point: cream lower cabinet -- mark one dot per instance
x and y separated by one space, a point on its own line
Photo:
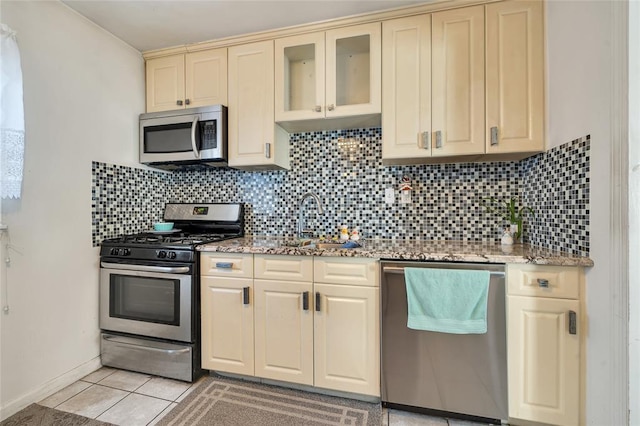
324 333
544 335
347 325
226 288
284 318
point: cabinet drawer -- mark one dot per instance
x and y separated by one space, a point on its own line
286 268
226 265
561 282
346 270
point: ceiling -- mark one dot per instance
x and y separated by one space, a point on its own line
156 24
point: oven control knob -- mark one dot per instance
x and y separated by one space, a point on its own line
162 254
126 252
171 255
114 252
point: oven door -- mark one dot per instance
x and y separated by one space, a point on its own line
147 300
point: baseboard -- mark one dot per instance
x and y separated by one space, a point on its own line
49 388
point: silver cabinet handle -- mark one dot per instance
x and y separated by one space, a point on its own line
318 108
331 107
187 101
224 265
193 137
179 102
146 268
424 140
318 301
267 150
542 283
245 295
438 139
305 301
573 322
494 136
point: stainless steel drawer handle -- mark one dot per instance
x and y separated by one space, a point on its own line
267 150
573 322
245 295
146 348
305 301
317 301
146 268
543 283
224 265
399 270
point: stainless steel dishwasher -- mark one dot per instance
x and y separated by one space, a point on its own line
461 375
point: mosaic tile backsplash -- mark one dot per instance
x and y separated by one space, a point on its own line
445 205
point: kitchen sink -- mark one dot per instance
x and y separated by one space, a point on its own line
310 244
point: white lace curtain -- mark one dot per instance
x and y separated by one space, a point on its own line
11 116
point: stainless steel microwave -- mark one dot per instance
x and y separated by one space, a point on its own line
186 137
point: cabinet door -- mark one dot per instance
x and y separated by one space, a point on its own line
251 119
543 361
165 83
299 77
458 82
515 77
347 338
353 79
284 331
206 78
227 325
406 87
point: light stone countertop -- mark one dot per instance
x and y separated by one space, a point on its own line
404 249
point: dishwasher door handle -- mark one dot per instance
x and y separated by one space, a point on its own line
400 270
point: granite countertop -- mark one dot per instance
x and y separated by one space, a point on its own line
400 249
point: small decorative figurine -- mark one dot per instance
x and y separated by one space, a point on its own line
344 233
355 235
506 239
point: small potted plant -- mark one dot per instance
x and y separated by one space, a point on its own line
509 210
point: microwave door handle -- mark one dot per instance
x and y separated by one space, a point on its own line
193 138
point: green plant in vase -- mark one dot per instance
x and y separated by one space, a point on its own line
508 210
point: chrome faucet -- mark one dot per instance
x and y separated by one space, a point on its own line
301 231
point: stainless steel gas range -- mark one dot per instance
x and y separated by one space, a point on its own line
149 291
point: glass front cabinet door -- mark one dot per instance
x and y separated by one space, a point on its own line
329 74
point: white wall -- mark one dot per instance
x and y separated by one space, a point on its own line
83 91
579 46
634 213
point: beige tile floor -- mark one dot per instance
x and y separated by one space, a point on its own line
133 399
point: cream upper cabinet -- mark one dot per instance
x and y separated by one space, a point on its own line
332 74
187 80
255 142
406 87
458 93
544 332
299 77
515 77
433 86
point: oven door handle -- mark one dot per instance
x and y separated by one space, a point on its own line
147 348
146 268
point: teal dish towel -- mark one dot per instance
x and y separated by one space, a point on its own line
447 300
